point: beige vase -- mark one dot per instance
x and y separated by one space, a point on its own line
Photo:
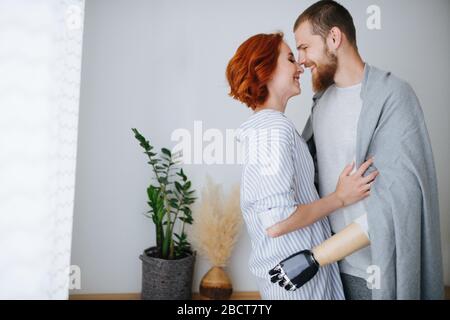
216 284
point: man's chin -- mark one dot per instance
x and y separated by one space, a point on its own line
319 85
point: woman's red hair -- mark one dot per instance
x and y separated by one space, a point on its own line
251 67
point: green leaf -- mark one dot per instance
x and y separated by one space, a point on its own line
187 211
162 180
173 203
167 152
182 175
142 141
187 220
178 186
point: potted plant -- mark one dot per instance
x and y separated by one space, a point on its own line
167 268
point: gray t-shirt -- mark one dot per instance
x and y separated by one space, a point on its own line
335 121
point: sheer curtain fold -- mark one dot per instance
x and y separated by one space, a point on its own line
40 62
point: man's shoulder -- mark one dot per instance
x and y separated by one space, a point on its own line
380 81
392 92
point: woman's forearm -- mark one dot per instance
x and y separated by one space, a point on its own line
352 238
306 214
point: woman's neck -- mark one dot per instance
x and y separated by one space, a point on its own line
272 103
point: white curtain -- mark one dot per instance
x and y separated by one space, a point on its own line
40 60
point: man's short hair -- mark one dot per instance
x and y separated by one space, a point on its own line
326 14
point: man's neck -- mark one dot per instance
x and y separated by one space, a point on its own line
350 70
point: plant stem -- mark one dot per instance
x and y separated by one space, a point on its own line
174 220
168 243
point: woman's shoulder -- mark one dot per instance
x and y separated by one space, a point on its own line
269 119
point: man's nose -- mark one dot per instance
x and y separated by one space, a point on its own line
301 59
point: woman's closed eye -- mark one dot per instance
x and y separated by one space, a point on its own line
291 57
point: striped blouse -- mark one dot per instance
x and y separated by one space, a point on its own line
277 175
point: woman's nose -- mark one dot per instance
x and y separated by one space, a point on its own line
300 68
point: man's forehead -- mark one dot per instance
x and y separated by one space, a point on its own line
303 33
304 27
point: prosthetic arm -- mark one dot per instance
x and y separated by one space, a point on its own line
294 271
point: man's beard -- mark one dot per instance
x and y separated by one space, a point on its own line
323 77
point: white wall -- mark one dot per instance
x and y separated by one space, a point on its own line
159 65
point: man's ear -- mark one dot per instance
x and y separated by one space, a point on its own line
334 39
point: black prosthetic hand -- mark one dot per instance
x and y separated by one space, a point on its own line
294 271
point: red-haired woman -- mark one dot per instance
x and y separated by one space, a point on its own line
277 187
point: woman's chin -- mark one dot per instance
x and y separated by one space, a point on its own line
295 92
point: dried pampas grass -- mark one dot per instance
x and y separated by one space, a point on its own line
217 222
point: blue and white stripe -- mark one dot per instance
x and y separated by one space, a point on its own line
278 174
